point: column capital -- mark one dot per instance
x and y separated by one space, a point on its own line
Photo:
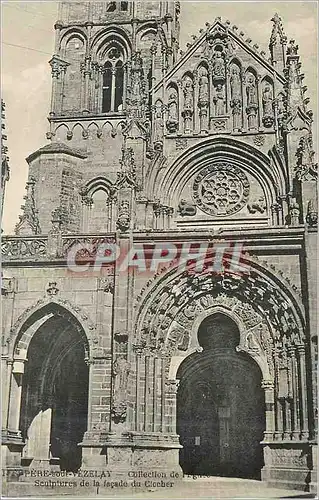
267 385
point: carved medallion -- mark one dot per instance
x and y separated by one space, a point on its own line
221 189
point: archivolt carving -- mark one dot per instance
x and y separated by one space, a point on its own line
259 305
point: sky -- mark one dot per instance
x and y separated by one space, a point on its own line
27 46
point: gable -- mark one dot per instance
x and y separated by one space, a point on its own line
232 45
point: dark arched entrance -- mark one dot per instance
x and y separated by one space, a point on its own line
220 405
55 394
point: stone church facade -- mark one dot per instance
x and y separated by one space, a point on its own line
208 373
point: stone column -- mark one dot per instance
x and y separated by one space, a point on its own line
180 107
196 97
146 393
90 394
6 378
295 431
87 75
155 372
138 349
15 395
55 84
163 394
303 390
172 387
268 387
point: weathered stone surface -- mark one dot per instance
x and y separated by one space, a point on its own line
221 156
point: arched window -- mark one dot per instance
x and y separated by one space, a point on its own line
124 6
98 205
113 79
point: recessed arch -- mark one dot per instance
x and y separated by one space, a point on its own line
220 411
192 160
22 331
107 37
99 182
51 391
73 33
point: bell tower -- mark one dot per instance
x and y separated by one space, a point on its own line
108 57
95 42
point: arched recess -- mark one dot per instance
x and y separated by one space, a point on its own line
188 105
267 93
110 50
167 185
271 323
173 111
73 33
220 404
48 402
73 49
252 99
98 205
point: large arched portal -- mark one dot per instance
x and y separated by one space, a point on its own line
220 405
54 404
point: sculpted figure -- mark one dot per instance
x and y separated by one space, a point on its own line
185 208
188 95
267 101
203 86
251 91
236 97
218 65
219 100
172 106
235 83
121 369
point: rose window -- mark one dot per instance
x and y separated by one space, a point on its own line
221 189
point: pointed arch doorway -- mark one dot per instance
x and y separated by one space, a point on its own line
220 405
54 404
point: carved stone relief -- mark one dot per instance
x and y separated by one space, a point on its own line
221 189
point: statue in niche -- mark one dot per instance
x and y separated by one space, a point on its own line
203 86
235 83
188 95
172 120
209 48
172 105
219 100
188 109
158 123
218 66
267 102
252 103
236 99
251 91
